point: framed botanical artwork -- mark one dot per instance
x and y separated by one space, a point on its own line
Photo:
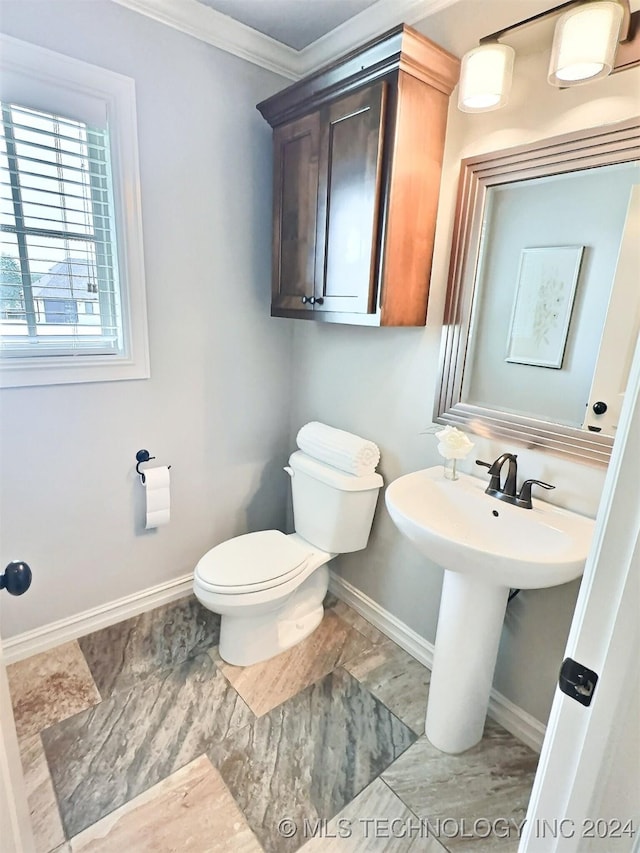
545 292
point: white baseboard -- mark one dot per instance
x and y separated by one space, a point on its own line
394 628
42 639
517 721
521 724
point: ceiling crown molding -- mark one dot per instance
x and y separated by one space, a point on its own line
200 21
204 23
366 25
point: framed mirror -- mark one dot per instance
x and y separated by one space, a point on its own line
543 301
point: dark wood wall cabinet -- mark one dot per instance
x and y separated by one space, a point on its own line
357 159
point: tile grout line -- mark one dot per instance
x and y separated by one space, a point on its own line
409 809
513 718
89 677
174 665
155 672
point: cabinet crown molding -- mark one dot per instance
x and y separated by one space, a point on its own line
401 48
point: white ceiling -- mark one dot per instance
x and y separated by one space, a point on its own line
296 23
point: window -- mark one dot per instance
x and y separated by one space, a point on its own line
58 244
72 305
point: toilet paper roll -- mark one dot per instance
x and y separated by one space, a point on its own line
157 483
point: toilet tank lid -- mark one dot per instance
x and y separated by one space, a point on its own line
300 461
252 559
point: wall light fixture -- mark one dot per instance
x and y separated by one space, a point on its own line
585 47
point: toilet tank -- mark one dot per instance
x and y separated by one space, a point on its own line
331 509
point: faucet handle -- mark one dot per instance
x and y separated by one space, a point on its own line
524 498
494 483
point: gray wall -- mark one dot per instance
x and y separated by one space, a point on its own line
216 406
381 383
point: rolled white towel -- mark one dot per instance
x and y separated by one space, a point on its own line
343 450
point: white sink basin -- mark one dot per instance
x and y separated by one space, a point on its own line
485 546
459 527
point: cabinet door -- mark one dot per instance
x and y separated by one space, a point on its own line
295 194
348 201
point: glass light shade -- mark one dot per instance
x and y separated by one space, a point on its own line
585 43
485 78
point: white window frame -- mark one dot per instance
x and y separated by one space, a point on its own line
42 71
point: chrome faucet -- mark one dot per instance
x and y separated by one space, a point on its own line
508 491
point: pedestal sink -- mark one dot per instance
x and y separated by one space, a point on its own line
485 546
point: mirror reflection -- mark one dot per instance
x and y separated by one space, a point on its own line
543 300
547 265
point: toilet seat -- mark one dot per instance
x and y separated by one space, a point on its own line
252 562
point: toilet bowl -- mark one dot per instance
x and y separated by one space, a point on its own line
268 586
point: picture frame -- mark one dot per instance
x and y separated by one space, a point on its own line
543 303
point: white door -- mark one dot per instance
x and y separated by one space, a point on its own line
620 330
589 770
15 825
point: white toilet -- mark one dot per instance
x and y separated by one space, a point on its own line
268 586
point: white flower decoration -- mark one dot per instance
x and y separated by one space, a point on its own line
453 444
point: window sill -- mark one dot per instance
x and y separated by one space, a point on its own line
34 371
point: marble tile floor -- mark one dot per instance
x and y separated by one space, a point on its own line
139 737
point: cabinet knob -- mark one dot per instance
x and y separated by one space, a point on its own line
599 408
304 300
319 300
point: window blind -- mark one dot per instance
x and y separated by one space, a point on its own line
59 292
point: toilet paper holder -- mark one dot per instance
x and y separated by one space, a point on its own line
143 456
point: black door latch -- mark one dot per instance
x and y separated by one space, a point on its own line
577 681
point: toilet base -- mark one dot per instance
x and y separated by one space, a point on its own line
252 638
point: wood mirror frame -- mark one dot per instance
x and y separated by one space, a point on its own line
601 146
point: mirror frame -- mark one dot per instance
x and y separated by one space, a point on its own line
600 146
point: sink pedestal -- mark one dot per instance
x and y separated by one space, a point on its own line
469 627
485 546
